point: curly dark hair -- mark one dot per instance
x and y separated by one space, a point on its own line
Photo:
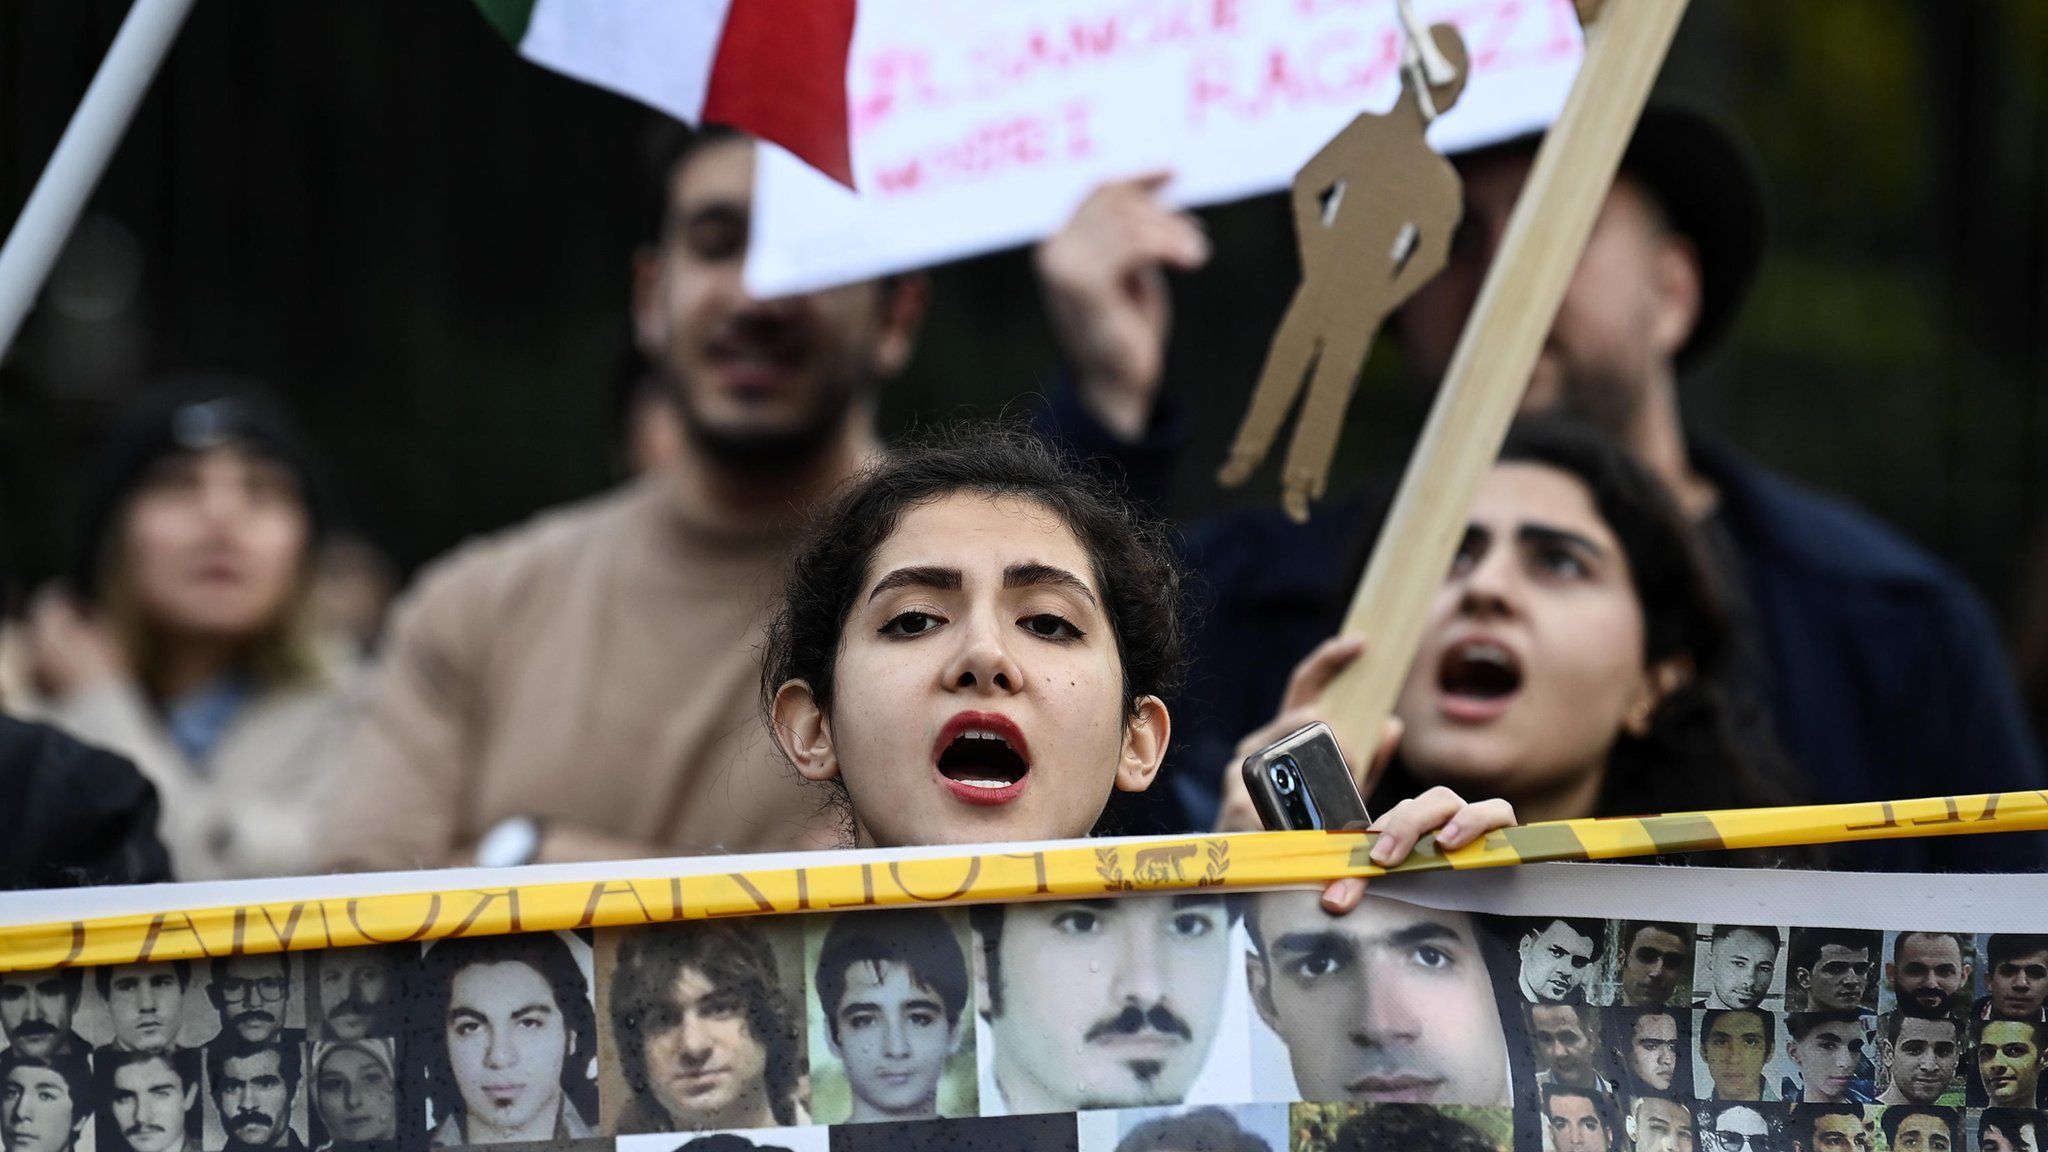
738 961
1134 564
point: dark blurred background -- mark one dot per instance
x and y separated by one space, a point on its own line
423 241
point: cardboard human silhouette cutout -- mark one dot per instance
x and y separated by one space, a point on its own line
1374 211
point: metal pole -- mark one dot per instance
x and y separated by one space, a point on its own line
81 156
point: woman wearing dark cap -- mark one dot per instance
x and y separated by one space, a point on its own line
190 648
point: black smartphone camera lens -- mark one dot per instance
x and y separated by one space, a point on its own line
1286 778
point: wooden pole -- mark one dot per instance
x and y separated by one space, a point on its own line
1547 232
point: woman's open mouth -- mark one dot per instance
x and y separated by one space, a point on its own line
982 758
1478 679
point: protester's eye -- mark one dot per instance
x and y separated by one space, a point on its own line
330 1084
376 1079
465 1028
719 1006
911 623
1050 627
716 235
1192 924
1471 547
924 1019
1077 922
1560 560
861 1020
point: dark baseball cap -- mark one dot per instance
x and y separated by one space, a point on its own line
1708 182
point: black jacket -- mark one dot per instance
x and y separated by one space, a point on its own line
73 815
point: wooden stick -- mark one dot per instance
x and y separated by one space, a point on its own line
1545 236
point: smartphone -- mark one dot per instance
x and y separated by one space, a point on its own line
1301 782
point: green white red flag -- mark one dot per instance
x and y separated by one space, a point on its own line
772 68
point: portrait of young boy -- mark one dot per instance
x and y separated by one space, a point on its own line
892 1028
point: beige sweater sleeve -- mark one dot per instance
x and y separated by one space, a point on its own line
408 766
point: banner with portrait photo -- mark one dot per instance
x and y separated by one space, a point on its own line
1106 996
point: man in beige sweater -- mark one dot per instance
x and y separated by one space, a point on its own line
584 686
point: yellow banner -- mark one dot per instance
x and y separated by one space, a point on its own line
999 873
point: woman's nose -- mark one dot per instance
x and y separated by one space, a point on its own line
983 662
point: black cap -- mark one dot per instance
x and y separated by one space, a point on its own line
189 415
1707 180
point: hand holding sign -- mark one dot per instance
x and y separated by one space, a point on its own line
1373 213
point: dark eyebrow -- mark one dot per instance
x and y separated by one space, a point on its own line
940 579
1311 942
1028 575
714 211
1545 534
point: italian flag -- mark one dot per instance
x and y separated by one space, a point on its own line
772 68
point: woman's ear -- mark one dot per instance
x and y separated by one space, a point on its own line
1659 682
804 731
1145 736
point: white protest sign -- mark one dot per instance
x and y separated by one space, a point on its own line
981 124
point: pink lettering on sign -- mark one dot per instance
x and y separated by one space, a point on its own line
1252 83
889 80
996 148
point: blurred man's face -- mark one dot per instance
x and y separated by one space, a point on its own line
254 1102
354 990
891 1032
1390 1003
1836 1133
1630 305
1741 968
1563 1044
2009 1062
147 1002
250 993
1923 1060
1828 1056
149 1105
761 382
37 1113
1662 1125
1554 960
1107 1003
1653 1051
2019 985
35 1012
1838 979
1928 970
1652 966
1734 1048
1575 1125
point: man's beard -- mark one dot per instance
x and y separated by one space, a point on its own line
764 451
1602 397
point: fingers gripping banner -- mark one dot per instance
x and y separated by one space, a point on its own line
1117 996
